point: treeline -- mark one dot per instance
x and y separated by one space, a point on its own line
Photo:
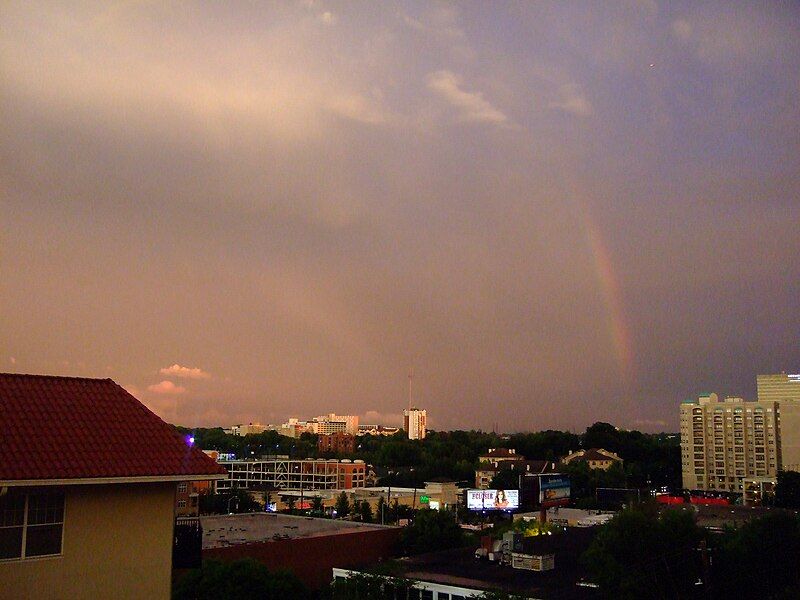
254 444
643 554
650 460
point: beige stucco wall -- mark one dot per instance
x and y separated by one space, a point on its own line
117 544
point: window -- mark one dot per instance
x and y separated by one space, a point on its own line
182 488
31 524
181 503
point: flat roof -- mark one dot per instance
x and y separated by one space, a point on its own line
247 528
459 567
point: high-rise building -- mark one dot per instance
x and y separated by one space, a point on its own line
415 423
778 387
350 421
724 442
730 444
785 390
328 427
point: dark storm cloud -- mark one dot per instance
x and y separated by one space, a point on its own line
304 200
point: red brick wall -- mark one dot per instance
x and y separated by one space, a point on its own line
312 558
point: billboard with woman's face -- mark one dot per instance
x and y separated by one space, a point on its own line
492 499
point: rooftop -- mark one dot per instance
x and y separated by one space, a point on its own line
501 453
232 530
459 567
71 428
594 454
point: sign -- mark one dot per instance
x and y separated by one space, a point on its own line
553 490
424 500
434 505
492 499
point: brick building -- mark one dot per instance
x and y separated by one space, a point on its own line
337 443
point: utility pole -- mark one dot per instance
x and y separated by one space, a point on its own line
410 388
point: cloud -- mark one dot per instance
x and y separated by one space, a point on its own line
167 388
472 105
572 100
681 29
374 417
177 370
13 360
357 108
328 18
440 24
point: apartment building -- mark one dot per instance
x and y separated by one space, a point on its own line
415 423
724 442
293 474
87 490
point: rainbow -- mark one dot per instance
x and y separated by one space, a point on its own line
612 296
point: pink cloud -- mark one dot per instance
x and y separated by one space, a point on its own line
177 370
166 387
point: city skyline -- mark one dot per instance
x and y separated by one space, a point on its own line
555 214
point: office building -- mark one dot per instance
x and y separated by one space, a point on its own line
778 388
415 423
350 422
725 442
250 428
785 390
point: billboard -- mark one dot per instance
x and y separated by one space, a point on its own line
553 489
492 499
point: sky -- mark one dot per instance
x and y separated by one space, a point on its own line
554 213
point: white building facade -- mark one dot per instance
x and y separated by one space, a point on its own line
415 422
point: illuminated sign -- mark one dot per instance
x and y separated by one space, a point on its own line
424 499
492 499
553 489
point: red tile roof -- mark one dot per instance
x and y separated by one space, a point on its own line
75 428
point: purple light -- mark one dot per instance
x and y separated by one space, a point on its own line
190 440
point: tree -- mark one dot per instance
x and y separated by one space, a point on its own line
370 586
291 501
236 500
640 554
244 579
342 505
316 505
787 492
602 435
507 479
769 546
366 512
380 510
431 530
